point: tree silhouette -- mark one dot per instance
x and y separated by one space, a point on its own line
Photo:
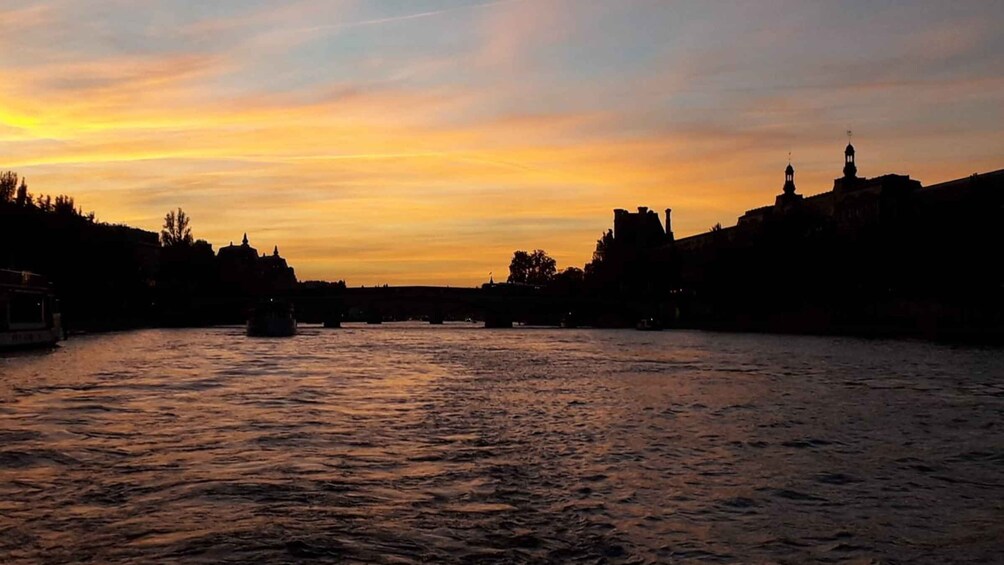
176 231
571 274
8 184
23 198
531 268
603 245
519 267
569 282
66 206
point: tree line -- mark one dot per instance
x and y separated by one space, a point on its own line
14 192
537 268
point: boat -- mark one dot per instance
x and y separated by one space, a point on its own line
29 313
272 318
649 325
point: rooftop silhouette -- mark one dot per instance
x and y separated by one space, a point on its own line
877 254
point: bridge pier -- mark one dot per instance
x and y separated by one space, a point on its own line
496 319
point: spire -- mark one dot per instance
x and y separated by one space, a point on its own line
275 251
788 200
789 179
850 168
244 242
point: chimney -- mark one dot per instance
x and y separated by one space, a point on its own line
669 225
642 209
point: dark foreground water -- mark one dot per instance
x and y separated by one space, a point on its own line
403 444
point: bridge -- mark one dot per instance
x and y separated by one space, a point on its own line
497 305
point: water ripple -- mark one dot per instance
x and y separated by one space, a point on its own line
417 444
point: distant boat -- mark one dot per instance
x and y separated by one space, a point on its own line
649 325
272 318
29 315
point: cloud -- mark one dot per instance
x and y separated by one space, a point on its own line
25 20
383 142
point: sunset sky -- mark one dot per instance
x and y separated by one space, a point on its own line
422 141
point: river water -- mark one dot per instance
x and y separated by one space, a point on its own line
409 443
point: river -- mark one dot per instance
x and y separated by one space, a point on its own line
409 443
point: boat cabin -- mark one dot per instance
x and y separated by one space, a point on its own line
28 312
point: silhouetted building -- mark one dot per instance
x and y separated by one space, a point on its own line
242 255
788 198
853 203
625 256
871 252
242 268
641 229
275 272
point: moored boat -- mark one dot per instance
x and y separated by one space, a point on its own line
272 318
29 314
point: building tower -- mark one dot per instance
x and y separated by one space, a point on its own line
788 200
789 179
850 169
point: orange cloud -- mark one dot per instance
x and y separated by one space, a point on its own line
433 166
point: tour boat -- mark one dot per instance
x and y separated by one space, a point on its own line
29 315
272 318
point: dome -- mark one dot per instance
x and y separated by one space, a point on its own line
790 170
849 150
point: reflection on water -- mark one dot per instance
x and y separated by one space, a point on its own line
442 444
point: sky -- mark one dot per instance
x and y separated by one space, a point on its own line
423 141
